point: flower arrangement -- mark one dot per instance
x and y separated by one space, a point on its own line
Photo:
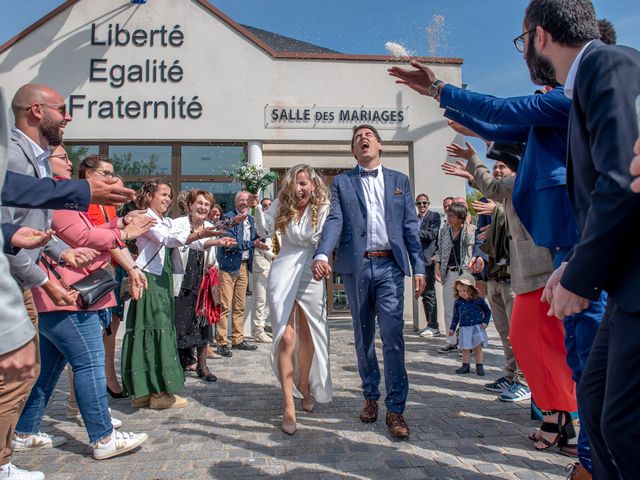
253 178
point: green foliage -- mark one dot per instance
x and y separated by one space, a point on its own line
472 197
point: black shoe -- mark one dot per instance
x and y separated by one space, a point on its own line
480 369
206 375
465 368
243 345
224 351
116 395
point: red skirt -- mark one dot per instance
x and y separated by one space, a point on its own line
538 345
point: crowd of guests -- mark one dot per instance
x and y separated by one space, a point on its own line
549 258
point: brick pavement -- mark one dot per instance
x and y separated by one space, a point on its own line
231 428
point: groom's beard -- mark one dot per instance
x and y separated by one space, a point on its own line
541 70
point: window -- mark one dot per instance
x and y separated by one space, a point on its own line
224 192
210 159
77 152
137 160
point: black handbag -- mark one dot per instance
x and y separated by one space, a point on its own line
91 288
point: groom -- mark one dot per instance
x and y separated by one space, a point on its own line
373 216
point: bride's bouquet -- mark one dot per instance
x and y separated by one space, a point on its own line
253 178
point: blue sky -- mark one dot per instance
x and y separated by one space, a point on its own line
479 31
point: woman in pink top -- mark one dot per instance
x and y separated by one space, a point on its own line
71 334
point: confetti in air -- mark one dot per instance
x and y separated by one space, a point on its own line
396 50
436 35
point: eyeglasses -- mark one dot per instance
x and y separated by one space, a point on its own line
519 40
61 156
60 107
423 203
106 173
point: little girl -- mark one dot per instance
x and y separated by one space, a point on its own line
473 314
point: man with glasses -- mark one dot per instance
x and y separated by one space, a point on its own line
540 195
428 231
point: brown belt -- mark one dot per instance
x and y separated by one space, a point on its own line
378 253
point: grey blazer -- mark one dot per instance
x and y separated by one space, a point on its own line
24 268
530 265
16 328
445 246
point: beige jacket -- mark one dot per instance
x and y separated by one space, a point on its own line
531 265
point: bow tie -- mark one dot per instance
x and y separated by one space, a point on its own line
369 173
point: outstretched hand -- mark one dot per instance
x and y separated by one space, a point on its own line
462 130
457 169
458 151
31 238
635 167
420 79
484 208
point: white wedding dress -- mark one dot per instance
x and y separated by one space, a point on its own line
291 281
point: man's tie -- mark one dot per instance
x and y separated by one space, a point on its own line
368 173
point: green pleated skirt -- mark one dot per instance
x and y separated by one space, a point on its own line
149 351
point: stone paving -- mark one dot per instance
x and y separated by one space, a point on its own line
231 428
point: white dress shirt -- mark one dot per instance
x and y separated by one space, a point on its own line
573 71
377 238
42 156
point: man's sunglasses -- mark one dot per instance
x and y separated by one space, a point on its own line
423 203
60 107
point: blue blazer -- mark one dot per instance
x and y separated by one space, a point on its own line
347 222
603 129
540 195
24 191
230 258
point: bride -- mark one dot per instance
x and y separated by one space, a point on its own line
300 350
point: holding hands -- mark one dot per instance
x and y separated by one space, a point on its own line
321 269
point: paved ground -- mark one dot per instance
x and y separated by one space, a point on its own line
231 428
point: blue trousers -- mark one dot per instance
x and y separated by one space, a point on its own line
580 332
74 337
376 291
609 395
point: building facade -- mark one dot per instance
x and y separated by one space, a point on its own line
176 89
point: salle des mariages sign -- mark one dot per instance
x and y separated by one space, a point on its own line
334 117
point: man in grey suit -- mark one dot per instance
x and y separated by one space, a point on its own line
373 216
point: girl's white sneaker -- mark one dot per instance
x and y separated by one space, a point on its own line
121 442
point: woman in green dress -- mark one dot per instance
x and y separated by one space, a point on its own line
151 371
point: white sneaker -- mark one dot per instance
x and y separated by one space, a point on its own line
74 414
263 338
121 442
430 332
37 440
10 471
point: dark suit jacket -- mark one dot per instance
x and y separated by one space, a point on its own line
24 191
347 222
428 231
230 258
602 131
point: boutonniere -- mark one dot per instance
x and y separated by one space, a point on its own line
397 191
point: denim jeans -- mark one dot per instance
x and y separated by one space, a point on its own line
579 333
74 337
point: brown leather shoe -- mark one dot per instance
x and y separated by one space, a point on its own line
577 472
397 426
369 413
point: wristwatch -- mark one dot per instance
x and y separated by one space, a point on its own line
434 89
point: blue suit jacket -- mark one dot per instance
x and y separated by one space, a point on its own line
347 221
24 191
540 195
230 258
603 129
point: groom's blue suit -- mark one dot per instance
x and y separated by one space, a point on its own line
375 287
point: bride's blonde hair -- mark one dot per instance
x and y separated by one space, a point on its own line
287 198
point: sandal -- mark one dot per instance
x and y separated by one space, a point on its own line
561 428
206 375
